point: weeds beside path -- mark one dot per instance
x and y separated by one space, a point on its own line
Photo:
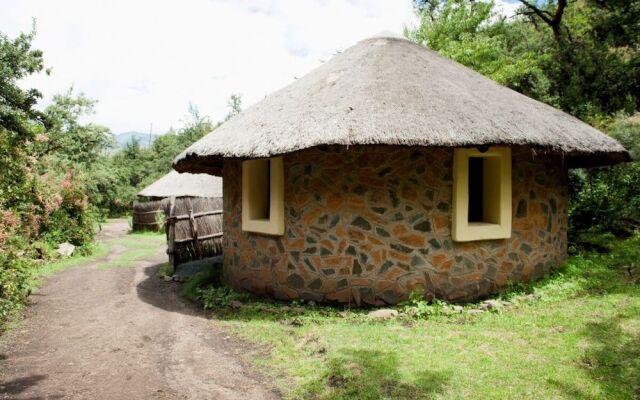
108 328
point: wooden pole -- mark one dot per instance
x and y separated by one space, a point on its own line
171 235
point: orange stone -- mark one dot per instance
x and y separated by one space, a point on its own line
409 193
374 241
413 240
361 282
399 229
355 235
441 222
326 243
355 202
377 256
334 200
310 217
438 259
446 266
342 296
336 261
399 256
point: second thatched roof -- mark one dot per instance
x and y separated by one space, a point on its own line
184 185
387 90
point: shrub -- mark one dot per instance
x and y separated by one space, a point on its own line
608 199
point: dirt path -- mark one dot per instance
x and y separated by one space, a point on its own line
120 333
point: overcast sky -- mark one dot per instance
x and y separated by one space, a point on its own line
146 60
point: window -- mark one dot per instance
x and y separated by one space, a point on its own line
263 196
481 194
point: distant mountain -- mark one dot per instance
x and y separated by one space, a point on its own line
125 137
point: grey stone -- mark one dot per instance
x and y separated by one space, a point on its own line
383 313
395 201
424 226
385 267
235 304
442 206
417 262
389 297
491 305
521 211
357 268
474 312
315 284
401 248
384 171
553 205
65 249
361 223
382 232
295 281
359 190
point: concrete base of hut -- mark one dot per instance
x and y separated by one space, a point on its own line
370 225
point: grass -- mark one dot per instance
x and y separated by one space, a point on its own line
573 335
139 247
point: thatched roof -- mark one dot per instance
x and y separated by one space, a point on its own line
184 185
387 90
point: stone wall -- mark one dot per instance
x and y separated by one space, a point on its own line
369 225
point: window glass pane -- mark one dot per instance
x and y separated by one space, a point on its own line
259 201
476 187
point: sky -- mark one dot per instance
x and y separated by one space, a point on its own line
145 61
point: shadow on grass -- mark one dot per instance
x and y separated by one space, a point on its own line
612 358
371 374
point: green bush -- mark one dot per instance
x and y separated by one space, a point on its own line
215 297
15 272
608 199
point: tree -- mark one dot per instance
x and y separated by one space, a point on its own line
194 128
235 106
19 120
69 139
18 60
474 34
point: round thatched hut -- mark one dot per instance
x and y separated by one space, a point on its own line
191 205
391 169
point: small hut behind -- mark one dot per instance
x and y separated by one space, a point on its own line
147 215
189 206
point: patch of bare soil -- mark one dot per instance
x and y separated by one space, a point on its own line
121 333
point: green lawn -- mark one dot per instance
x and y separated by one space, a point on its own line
139 246
575 335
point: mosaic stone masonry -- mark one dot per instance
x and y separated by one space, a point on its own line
371 224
